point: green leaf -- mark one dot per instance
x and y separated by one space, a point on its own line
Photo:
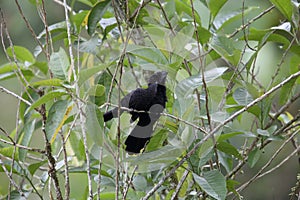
47 97
139 183
9 152
253 157
33 167
226 47
226 136
286 90
26 138
229 149
58 27
55 116
78 19
93 124
215 6
77 146
149 54
242 97
87 73
22 54
157 140
181 7
263 132
285 7
155 160
96 14
59 64
91 45
48 82
96 90
223 20
187 86
9 70
213 183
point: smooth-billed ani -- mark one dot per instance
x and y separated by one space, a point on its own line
151 103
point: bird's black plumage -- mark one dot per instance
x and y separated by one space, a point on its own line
151 102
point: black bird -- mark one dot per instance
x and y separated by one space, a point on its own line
151 103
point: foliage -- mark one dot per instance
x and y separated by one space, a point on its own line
220 116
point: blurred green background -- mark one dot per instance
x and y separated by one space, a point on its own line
275 186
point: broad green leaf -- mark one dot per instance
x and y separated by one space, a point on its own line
96 14
93 124
228 149
22 54
157 140
149 54
231 184
56 115
33 167
215 6
58 27
155 160
213 183
8 71
48 82
47 97
85 74
226 47
139 183
182 7
77 146
96 90
286 90
227 136
267 35
78 19
59 64
91 45
223 20
187 86
253 157
263 132
87 2
26 138
285 7
42 66
35 2
242 97
9 152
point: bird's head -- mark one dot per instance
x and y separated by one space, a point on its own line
158 78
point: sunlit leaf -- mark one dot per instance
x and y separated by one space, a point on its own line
47 97
33 167
21 53
285 7
215 6
48 82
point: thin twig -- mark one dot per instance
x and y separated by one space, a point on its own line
229 119
11 180
14 95
251 21
259 174
179 185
